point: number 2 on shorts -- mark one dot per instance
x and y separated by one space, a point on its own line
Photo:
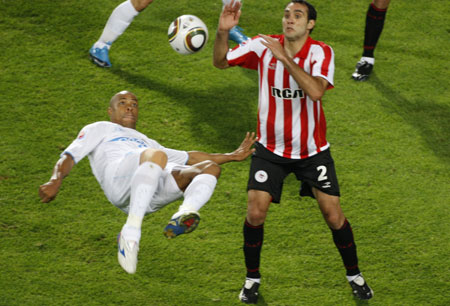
323 172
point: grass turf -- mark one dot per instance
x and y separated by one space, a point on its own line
389 139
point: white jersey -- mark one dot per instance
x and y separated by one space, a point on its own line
290 123
105 142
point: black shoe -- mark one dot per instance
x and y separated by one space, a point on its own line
249 293
360 288
363 70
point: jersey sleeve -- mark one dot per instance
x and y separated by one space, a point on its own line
245 55
324 64
87 140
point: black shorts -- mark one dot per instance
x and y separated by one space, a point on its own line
268 171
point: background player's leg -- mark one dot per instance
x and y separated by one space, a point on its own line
375 17
117 23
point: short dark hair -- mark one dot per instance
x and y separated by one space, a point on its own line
312 13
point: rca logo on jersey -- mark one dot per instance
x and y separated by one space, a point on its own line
286 93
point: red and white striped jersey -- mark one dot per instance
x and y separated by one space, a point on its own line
290 124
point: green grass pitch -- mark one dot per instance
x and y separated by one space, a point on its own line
389 137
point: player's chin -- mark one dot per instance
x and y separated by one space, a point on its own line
129 122
291 36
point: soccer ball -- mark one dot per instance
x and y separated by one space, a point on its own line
187 34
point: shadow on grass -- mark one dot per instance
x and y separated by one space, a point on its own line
359 302
229 110
430 119
261 300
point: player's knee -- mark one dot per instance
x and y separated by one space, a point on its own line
257 206
334 220
381 4
212 168
256 217
155 156
140 5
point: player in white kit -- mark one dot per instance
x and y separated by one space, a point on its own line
140 176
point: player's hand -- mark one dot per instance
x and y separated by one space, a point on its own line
230 15
48 191
275 46
245 149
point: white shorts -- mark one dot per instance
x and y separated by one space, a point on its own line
117 184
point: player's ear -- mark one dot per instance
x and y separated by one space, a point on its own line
311 24
110 110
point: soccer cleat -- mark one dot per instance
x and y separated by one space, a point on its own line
237 36
360 288
362 70
249 293
100 57
127 254
183 224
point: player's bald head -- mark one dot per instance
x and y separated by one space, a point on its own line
123 109
120 95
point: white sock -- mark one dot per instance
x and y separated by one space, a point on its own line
197 193
143 187
256 280
352 277
118 22
370 60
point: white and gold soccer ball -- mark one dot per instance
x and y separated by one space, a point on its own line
188 34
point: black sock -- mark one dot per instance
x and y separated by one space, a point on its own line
344 241
253 240
374 26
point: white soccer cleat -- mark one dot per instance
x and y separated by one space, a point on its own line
127 254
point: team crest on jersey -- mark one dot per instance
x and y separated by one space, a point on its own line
81 135
286 93
261 176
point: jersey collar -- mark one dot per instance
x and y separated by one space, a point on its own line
303 53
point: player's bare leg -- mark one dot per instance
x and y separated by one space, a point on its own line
343 238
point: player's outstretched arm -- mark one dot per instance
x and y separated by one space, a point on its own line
244 150
227 20
230 15
49 190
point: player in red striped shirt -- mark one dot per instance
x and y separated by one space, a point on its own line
294 73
